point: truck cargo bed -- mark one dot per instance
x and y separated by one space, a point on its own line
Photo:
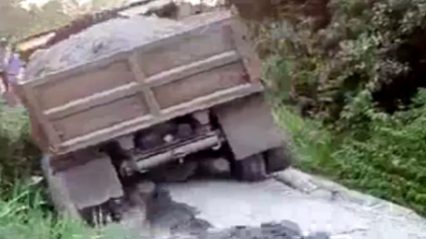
208 64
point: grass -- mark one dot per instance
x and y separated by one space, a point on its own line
23 211
24 214
390 164
18 155
312 144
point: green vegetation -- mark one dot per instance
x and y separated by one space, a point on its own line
23 214
356 73
366 48
17 22
390 163
18 155
24 211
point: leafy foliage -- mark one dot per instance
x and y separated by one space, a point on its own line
367 45
17 22
389 163
18 155
357 69
23 215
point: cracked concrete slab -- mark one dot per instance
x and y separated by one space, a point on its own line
226 204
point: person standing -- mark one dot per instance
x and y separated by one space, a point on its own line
14 71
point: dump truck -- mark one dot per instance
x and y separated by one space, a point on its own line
195 91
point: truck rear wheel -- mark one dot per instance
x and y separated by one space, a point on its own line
250 169
85 189
102 214
277 159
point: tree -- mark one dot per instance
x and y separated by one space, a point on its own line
17 23
106 4
49 16
75 8
14 20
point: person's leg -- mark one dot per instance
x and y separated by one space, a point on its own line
5 81
12 99
4 87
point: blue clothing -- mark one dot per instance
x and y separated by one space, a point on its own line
15 65
14 68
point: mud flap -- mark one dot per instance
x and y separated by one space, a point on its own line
249 126
82 186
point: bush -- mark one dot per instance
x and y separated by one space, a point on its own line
387 162
391 162
356 68
19 157
23 215
365 45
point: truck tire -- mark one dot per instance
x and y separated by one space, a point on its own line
250 169
58 195
277 159
85 191
101 214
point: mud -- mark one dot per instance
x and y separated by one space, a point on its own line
178 218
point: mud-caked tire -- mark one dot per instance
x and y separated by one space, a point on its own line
277 159
250 169
85 189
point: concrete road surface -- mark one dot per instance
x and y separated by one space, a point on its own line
226 209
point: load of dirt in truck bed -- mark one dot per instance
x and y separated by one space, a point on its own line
101 40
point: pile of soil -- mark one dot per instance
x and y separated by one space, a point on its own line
101 40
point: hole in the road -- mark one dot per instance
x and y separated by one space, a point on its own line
181 220
179 217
